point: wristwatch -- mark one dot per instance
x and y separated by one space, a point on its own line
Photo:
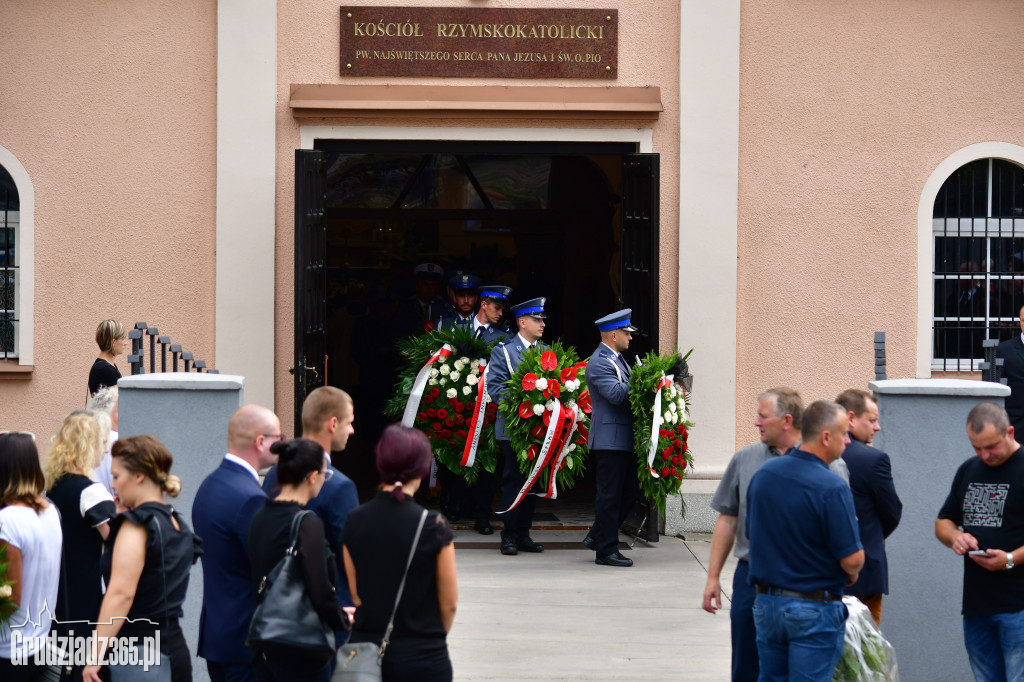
1009 560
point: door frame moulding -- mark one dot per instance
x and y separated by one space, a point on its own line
643 137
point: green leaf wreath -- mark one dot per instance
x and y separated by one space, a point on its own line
446 409
543 376
672 458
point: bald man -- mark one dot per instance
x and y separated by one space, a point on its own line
224 506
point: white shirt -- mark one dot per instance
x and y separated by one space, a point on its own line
242 463
526 344
39 538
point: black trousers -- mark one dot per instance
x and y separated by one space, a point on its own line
481 495
519 520
454 493
617 492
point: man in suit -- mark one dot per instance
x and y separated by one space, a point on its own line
327 417
224 505
463 292
505 359
874 497
414 314
611 438
1012 353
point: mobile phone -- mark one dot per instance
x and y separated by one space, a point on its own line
978 552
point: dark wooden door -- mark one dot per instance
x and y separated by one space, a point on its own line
639 263
310 276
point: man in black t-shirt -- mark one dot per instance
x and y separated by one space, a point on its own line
982 519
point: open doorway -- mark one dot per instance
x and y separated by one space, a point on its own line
546 219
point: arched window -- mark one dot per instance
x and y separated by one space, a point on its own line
978 273
10 212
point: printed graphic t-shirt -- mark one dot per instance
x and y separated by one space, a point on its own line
988 503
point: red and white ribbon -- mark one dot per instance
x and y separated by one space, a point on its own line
656 421
416 394
477 420
545 454
566 441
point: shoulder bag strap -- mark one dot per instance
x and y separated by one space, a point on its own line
401 585
296 522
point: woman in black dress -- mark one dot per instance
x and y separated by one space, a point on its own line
301 472
111 337
86 508
376 541
150 552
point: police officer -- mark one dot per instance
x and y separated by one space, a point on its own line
505 359
480 497
463 292
611 438
493 299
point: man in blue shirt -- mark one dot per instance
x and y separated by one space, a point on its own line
804 550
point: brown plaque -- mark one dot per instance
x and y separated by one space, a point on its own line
495 43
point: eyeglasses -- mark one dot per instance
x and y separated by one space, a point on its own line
19 433
275 436
326 473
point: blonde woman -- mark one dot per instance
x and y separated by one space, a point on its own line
150 552
86 508
111 337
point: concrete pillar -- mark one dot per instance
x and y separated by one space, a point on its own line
189 413
924 432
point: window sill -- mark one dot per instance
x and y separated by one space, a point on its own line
10 369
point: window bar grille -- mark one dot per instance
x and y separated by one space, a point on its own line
8 281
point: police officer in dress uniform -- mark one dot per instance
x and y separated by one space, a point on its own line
486 322
505 358
414 313
480 497
611 438
463 292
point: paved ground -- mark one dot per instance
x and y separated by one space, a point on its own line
558 616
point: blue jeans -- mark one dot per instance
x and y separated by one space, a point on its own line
798 639
744 634
995 646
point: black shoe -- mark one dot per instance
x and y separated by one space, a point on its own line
590 543
483 526
508 547
528 545
615 559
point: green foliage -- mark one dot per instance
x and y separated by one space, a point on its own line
672 459
7 605
446 420
527 433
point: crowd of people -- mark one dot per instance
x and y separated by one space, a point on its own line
94 550
87 528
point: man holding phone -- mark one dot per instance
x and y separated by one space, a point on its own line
982 519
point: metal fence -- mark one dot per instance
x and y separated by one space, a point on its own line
162 346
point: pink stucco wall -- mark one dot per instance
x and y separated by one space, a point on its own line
308 38
110 107
845 110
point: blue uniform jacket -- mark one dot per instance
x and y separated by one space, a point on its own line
611 422
498 375
337 498
223 508
878 513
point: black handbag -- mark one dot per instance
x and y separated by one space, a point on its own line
285 621
361 662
